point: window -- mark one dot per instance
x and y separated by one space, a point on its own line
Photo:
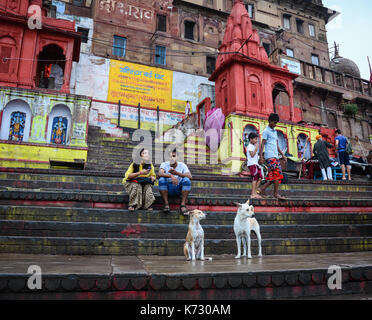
315 59
160 53
287 22
161 23
249 8
84 34
210 2
5 54
289 52
79 3
211 64
189 30
311 30
300 26
267 47
119 46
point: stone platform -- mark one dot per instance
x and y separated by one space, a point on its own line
172 277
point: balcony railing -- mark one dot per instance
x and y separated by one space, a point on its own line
329 76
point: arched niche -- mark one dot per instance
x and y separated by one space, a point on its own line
281 101
59 125
16 121
246 131
254 92
283 141
50 67
303 146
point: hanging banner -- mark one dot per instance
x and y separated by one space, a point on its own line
134 83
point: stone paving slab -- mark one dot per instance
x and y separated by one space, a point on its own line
176 265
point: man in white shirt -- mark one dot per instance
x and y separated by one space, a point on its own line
174 180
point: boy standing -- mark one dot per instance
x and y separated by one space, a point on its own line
271 157
252 162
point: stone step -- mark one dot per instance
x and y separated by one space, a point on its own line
171 231
238 183
69 214
243 190
115 246
203 177
86 198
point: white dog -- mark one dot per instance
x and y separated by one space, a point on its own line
194 245
243 225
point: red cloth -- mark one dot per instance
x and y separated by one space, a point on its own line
275 170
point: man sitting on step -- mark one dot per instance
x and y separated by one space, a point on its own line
174 180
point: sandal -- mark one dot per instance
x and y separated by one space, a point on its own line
131 208
166 208
256 196
262 194
279 197
183 209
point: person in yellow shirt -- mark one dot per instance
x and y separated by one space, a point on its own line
137 182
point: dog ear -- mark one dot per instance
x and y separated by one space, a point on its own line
248 201
238 204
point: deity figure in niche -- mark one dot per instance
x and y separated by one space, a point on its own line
17 126
59 130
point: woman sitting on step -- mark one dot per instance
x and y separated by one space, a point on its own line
137 182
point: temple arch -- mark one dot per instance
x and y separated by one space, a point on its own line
16 121
59 125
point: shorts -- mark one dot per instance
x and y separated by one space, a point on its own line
255 171
343 158
275 170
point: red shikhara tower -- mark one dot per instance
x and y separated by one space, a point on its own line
246 82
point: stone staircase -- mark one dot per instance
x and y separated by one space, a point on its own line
70 212
84 213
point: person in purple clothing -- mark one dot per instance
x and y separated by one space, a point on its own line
343 156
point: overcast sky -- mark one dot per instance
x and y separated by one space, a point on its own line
352 30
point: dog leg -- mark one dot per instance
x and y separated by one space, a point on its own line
238 242
258 234
249 244
244 240
202 250
192 250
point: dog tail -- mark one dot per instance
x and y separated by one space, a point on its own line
185 250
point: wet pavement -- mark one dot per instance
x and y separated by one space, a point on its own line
176 265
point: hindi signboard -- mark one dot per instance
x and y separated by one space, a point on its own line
134 83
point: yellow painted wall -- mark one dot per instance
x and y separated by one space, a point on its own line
35 156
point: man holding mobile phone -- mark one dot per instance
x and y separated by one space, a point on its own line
174 180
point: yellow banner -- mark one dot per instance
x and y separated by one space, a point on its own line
134 83
180 105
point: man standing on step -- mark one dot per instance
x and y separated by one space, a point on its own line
174 180
343 156
270 144
320 150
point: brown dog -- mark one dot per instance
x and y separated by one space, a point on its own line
194 245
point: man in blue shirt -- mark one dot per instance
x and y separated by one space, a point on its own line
343 156
270 143
174 180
